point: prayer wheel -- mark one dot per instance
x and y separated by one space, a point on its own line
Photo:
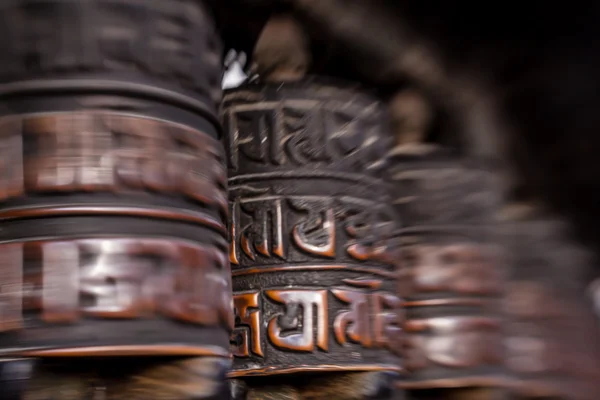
452 274
314 280
113 195
552 343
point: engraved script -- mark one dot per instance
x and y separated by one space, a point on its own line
302 308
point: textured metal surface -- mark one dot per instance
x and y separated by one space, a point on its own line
452 275
313 279
165 49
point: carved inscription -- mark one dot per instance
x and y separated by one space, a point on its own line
247 329
370 229
65 281
292 133
300 309
94 151
256 124
264 235
316 233
312 226
371 319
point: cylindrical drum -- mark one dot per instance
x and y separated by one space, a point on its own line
314 283
552 345
113 192
452 277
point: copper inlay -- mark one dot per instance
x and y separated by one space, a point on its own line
289 268
450 383
445 302
316 368
130 350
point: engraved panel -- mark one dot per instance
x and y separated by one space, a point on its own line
330 133
70 282
247 332
103 152
271 229
275 327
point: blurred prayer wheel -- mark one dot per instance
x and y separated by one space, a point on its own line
552 347
113 198
452 276
314 284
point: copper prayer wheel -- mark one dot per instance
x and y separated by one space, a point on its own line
552 342
452 275
314 284
113 194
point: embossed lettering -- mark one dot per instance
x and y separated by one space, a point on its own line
248 325
388 318
115 278
370 227
373 319
304 139
267 214
301 132
260 141
261 230
354 323
316 233
300 306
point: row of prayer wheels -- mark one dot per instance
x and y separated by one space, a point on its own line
158 240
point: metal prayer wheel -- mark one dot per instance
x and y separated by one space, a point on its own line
113 194
452 277
552 347
314 284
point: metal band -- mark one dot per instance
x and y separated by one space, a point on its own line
91 86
